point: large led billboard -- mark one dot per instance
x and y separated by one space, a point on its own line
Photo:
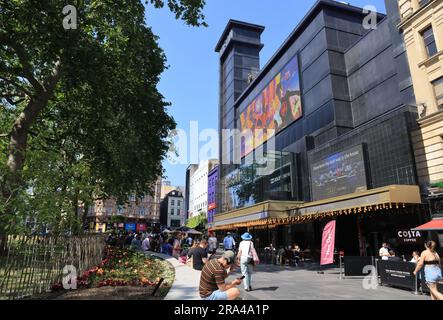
276 107
339 174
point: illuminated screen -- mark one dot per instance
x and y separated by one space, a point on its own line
339 174
278 105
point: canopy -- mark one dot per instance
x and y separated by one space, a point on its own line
433 225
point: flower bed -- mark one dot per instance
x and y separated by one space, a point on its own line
124 267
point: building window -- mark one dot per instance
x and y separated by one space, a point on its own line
438 89
178 203
172 202
422 3
172 211
429 41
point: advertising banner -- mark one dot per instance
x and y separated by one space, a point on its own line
339 174
327 244
130 227
141 226
397 273
276 107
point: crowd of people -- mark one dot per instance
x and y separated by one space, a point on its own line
161 242
200 253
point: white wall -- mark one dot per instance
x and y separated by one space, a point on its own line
176 207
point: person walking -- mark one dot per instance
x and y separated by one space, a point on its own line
212 244
247 258
228 242
430 259
200 255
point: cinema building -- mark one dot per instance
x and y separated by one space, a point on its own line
338 106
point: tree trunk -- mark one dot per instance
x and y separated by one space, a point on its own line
19 138
3 241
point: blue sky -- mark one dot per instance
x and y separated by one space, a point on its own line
191 82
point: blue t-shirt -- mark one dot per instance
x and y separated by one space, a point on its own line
228 242
167 249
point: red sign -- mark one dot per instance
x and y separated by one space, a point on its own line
212 206
327 244
141 226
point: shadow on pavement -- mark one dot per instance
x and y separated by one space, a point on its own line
266 289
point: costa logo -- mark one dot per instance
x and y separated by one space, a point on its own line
409 236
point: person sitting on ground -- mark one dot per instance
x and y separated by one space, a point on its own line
200 255
213 276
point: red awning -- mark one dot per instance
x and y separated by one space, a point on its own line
435 224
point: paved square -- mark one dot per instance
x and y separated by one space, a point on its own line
271 282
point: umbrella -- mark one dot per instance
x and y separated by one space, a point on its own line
193 231
182 229
436 224
187 230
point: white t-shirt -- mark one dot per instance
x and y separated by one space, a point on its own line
246 248
383 253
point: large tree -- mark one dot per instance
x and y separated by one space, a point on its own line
82 102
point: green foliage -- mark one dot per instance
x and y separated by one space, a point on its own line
198 220
95 124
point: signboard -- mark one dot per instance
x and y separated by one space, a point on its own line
130 227
339 174
397 273
141 226
212 206
327 245
354 266
100 227
409 237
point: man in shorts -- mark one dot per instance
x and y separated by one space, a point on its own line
212 279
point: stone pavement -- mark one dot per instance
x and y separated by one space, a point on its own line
185 285
270 282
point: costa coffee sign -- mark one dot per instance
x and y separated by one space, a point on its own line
409 236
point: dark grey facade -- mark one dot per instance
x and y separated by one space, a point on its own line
355 89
